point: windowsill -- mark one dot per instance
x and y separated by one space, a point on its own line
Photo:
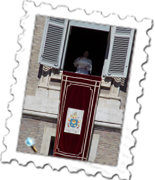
59 76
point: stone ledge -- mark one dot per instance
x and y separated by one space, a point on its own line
101 95
107 112
107 96
59 77
50 87
55 116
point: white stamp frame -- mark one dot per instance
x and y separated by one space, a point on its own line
132 107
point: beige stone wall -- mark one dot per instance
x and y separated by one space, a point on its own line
108 146
32 79
107 150
32 127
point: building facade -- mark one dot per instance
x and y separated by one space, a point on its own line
42 93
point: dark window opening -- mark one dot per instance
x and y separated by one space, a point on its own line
51 148
83 39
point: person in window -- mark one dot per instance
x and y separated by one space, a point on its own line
83 64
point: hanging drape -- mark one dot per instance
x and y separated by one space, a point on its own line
78 102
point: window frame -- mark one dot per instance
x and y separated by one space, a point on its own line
83 25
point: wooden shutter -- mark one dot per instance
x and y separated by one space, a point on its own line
53 42
117 62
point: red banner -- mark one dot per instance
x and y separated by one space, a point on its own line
78 102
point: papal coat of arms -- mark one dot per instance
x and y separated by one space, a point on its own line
74 121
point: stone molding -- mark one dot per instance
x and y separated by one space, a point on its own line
52 117
53 73
108 113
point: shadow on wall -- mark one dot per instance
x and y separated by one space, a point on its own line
40 71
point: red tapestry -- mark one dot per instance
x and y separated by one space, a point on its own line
78 102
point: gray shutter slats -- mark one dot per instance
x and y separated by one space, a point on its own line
120 30
119 55
52 44
57 20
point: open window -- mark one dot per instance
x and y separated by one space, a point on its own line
109 47
53 42
82 37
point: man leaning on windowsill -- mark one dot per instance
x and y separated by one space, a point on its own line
83 64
